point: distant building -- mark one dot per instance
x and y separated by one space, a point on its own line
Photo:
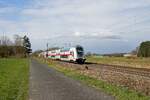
129 55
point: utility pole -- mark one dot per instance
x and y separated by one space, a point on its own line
47 50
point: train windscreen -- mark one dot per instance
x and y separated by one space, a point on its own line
80 51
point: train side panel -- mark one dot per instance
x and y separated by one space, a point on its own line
74 54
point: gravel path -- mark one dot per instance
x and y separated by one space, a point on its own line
48 84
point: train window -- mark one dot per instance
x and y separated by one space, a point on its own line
64 56
52 56
65 49
80 51
80 54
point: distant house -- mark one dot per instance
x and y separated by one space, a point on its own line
129 55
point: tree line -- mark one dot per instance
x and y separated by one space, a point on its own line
144 49
16 47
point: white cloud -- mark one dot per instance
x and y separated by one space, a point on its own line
102 35
76 20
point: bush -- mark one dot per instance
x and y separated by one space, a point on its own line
11 51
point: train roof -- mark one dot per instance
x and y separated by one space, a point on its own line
67 48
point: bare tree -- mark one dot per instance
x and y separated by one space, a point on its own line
18 40
4 40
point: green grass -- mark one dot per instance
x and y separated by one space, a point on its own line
120 93
14 75
131 62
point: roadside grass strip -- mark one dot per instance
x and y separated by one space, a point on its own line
14 74
120 93
122 61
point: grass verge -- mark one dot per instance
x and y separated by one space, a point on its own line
122 61
120 93
14 74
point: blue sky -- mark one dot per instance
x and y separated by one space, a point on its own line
101 26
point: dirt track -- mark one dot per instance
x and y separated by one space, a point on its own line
48 84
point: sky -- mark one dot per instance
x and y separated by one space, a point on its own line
100 26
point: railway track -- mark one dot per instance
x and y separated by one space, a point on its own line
137 79
116 68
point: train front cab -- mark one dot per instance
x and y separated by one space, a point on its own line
80 55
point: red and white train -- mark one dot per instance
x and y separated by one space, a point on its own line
73 54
